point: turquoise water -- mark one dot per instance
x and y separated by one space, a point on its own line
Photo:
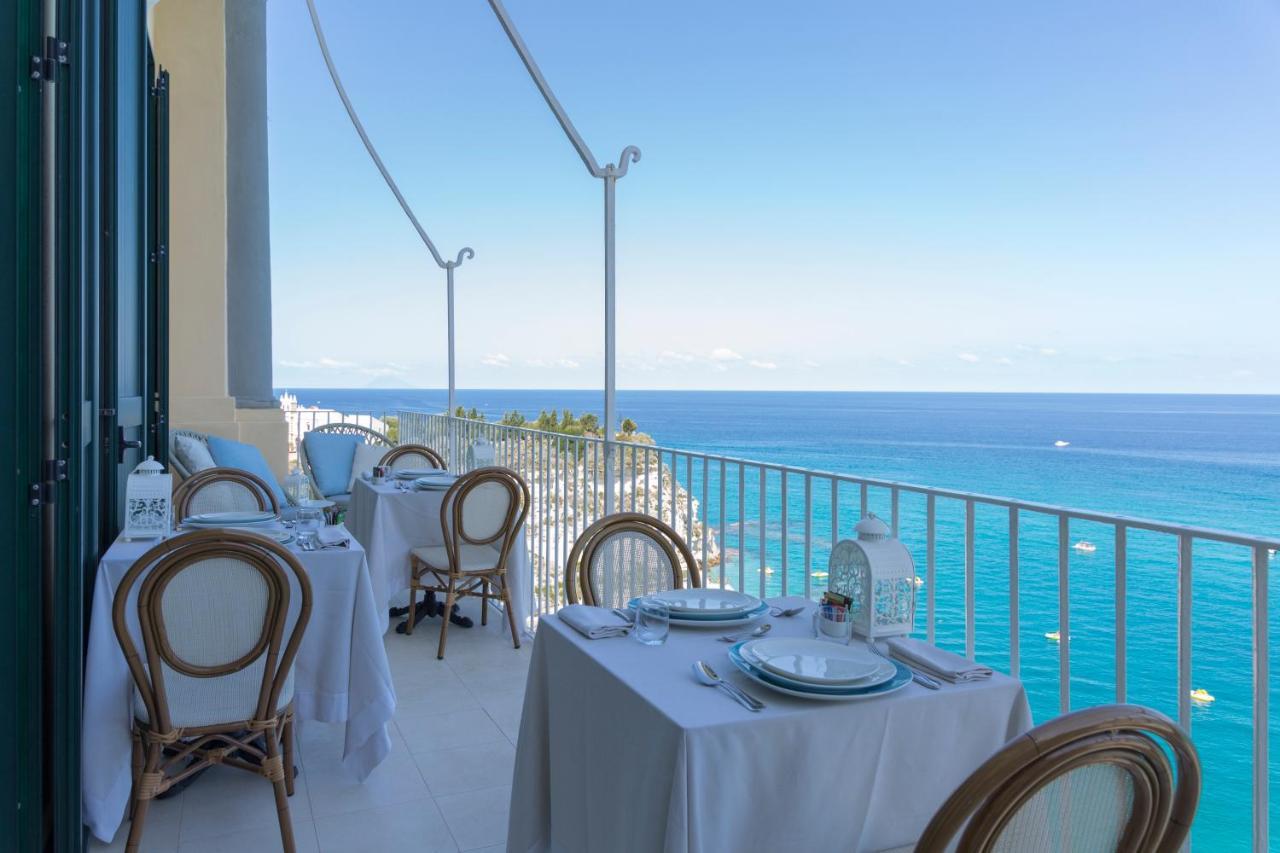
1212 461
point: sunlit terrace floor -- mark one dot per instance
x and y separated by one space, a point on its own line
444 787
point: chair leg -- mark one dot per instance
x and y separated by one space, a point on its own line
139 758
142 797
286 734
448 609
511 614
282 795
413 597
484 602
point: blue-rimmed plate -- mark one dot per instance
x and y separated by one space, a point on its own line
684 620
900 679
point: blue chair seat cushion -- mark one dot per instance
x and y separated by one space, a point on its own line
235 454
331 457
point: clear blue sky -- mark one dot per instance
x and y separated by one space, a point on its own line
1001 196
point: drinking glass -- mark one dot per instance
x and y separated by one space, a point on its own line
309 521
653 622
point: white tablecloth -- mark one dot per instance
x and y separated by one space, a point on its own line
390 523
341 674
621 750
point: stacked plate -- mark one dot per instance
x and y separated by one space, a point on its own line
435 481
210 520
816 669
415 473
709 608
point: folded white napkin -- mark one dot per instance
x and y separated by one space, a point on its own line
335 536
937 662
594 623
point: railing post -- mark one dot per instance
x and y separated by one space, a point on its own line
610 333
1261 690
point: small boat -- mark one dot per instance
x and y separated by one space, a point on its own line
819 574
1055 636
1201 695
1085 547
768 570
919 581
1061 443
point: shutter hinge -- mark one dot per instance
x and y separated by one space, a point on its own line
44 492
56 53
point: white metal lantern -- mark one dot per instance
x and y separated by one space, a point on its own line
147 502
481 454
876 571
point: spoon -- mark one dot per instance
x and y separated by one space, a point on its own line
790 611
706 675
747 635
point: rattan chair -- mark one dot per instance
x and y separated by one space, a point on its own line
1094 780
222 490
413 456
626 555
481 515
368 436
214 678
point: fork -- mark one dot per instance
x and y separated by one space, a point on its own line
916 676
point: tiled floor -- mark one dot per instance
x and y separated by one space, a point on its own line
444 787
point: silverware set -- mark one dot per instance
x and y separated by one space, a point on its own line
790 611
747 635
708 677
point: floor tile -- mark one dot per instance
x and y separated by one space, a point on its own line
264 839
477 818
504 708
334 790
425 730
159 832
226 800
416 826
468 768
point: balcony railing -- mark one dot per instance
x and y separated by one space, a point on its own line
766 529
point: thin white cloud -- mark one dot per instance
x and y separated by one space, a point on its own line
673 357
723 354
969 357
496 359
902 362
567 363
325 362
1049 351
808 362
763 365
1004 359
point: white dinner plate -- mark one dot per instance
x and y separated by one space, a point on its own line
707 602
315 503
284 537
900 679
746 619
438 484
885 670
415 473
223 518
814 661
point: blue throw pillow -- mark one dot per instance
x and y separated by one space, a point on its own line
234 454
331 457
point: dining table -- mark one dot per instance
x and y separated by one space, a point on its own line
392 518
341 672
621 748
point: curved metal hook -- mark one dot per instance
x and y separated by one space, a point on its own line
463 254
629 155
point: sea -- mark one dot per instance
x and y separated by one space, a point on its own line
1204 460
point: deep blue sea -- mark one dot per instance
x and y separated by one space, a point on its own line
1212 461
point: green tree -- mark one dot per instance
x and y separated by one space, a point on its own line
628 426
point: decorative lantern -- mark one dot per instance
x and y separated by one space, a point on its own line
877 573
297 487
481 454
148 500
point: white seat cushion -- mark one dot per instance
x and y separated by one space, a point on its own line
475 558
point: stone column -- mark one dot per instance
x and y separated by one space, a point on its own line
248 207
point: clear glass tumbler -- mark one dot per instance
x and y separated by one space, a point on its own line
307 525
653 622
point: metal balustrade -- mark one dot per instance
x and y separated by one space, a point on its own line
755 526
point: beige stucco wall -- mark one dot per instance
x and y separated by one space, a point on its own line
188 38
